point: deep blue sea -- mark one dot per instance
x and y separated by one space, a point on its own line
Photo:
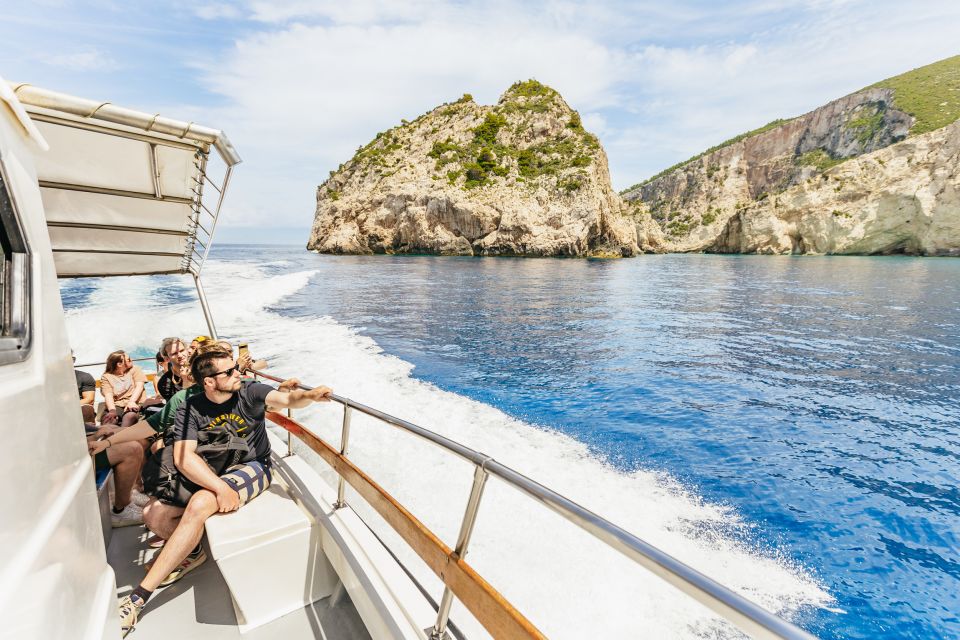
818 397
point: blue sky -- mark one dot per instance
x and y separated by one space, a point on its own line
298 85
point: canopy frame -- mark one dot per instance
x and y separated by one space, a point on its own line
167 246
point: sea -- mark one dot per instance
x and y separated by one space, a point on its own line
787 425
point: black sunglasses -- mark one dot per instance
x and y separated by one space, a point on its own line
229 371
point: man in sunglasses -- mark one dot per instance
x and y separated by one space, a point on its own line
227 406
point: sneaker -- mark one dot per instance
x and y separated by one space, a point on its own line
129 612
131 515
189 564
139 499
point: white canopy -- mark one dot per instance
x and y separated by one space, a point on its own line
125 192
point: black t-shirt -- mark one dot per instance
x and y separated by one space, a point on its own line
85 382
166 386
242 413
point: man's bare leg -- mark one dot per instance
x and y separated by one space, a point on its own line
127 460
184 538
161 518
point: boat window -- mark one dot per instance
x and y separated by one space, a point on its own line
14 280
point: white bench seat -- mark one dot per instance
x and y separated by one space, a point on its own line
270 557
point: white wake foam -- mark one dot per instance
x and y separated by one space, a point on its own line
567 583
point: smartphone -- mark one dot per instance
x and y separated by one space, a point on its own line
244 350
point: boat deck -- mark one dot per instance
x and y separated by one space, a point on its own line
199 605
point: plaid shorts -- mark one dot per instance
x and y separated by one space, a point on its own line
249 479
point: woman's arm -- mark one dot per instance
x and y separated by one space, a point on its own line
106 389
137 393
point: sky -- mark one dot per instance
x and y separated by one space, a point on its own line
299 85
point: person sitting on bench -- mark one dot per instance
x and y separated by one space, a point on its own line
221 456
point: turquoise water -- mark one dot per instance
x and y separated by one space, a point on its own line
816 396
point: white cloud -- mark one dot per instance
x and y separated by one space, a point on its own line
216 11
89 60
355 12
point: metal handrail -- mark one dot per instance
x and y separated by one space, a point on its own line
745 614
94 364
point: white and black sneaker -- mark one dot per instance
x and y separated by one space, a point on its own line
131 515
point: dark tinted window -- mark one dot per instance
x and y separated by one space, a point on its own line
14 281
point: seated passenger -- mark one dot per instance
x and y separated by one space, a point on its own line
123 388
87 388
171 350
227 410
127 460
159 424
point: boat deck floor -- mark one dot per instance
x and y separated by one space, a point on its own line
199 605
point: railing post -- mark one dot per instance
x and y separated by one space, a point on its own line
439 630
289 435
344 439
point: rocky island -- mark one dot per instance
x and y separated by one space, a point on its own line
519 178
875 172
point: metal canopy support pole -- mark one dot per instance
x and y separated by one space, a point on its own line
206 307
439 630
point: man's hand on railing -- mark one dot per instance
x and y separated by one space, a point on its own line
319 394
298 398
289 385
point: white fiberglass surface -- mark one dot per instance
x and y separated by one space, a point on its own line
568 584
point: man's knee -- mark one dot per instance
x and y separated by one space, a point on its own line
155 513
202 504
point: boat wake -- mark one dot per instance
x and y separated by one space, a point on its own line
567 583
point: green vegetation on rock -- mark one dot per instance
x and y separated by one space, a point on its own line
819 159
530 89
497 145
931 94
868 124
486 133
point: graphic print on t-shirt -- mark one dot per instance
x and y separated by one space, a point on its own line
229 420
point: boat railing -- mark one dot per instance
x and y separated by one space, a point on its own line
94 364
497 615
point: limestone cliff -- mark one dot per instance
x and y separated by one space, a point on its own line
873 172
521 177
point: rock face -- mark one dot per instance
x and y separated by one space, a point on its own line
844 178
901 199
521 178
